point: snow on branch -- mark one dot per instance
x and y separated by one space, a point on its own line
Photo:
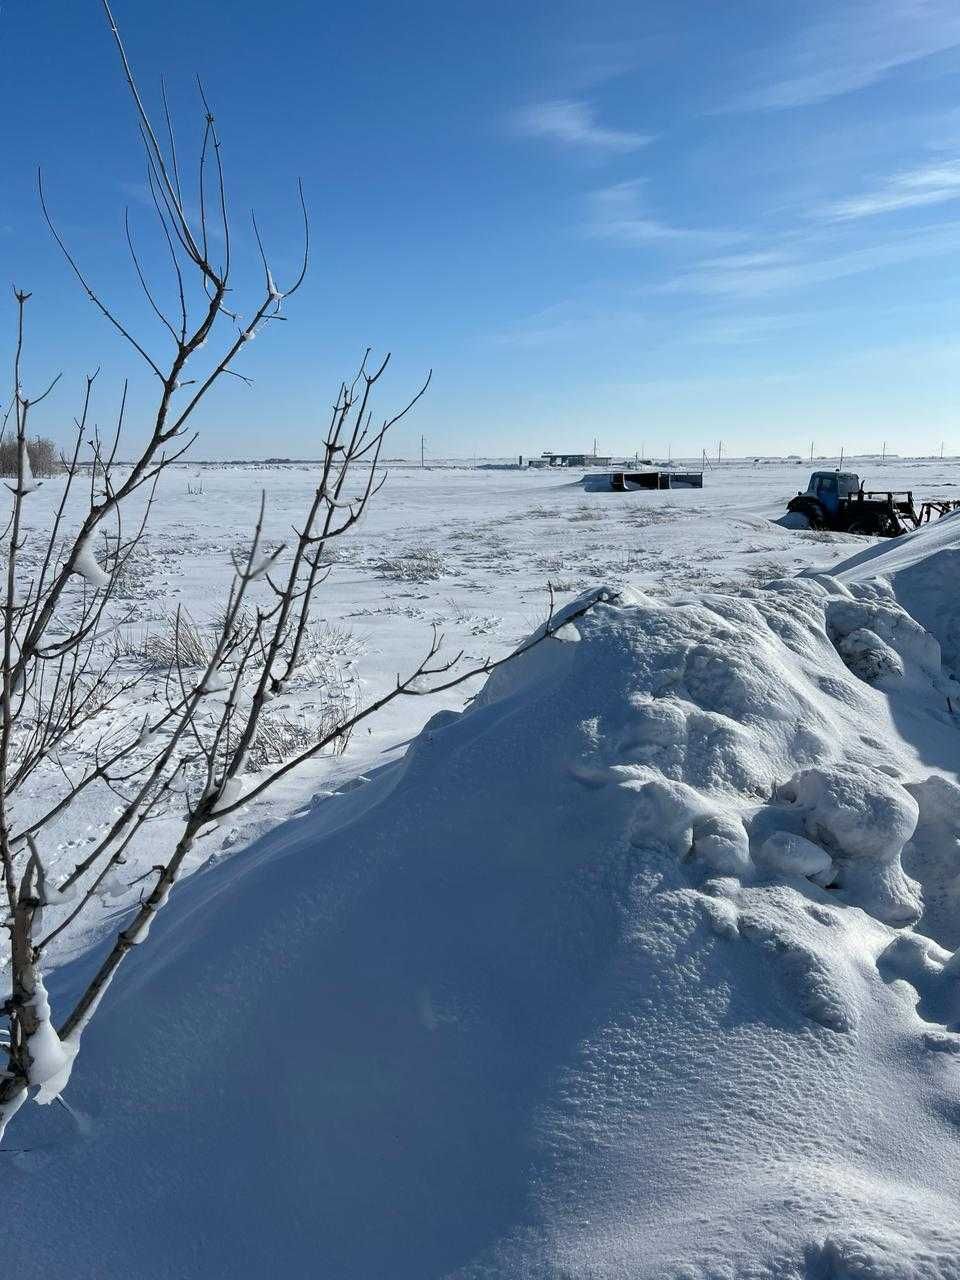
86 565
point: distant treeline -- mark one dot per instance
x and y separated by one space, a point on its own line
43 454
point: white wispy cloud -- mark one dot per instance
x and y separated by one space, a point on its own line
760 258
574 123
583 64
619 212
756 275
742 330
567 321
857 44
542 328
915 188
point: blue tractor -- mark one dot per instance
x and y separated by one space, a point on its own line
837 500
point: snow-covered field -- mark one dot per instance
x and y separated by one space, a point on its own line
468 551
643 967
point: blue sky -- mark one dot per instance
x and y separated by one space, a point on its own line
657 224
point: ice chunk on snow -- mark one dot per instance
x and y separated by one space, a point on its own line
793 855
888 622
721 841
868 656
86 565
657 721
864 818
664 811
861 812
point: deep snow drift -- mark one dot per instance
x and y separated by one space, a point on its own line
613 975
923 572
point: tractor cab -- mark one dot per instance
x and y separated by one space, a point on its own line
829 487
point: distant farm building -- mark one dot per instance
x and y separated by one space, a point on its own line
574 459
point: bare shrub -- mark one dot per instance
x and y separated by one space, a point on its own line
335 640
327 650
174 640
131 580
323 648
190 756
586 514
279 736
416 564
42 455
552 564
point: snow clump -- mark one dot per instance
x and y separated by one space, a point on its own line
85 564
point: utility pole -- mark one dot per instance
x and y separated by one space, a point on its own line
941 450
883 453
811 451
840 468
719 451
421 453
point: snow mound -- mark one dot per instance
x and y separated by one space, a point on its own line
611 976
921 572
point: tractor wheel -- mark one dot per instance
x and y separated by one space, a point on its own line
866 528
810 508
